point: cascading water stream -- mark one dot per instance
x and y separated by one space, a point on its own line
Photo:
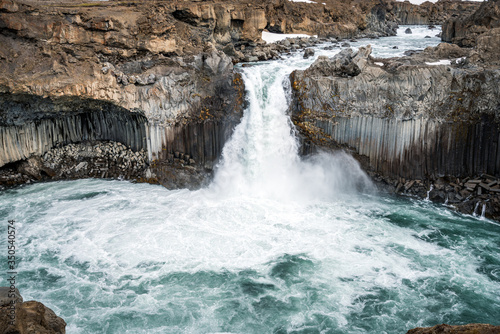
261 159
276 244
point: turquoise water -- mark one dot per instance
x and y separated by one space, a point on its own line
276 244
115 257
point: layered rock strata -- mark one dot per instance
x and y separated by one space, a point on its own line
410 118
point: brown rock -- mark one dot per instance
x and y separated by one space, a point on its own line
463 329
28 317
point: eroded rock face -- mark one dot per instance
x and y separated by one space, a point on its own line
142 76
429 13
410 119
464 30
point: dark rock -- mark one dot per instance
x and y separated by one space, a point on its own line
408 31
427 37
411 52
309 52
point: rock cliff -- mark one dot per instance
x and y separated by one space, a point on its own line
431 12
411 119
150 79
465 30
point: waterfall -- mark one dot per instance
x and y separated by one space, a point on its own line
261 158
427 198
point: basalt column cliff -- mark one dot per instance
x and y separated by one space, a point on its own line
427 124
105 91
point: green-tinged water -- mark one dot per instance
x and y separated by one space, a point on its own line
115 257
276 244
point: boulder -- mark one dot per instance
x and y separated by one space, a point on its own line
30 317
309 52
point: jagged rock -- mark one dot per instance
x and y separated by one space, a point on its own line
30 317
464 30
343 64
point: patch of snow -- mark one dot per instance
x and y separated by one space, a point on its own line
306 1
270 37
440 62
379 64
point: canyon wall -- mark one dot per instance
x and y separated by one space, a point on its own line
155 76
150 79
465 30
405 118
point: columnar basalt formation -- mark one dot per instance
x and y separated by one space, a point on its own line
150 79
410 119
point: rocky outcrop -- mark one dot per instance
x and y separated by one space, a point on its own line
341 19
21 317
462 329
465 30
431 13
411 119
151 80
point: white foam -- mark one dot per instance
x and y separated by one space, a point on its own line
440 62
270 37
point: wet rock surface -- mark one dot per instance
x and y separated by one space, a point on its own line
27 317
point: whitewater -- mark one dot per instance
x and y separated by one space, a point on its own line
277 243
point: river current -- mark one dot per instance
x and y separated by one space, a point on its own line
275 244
